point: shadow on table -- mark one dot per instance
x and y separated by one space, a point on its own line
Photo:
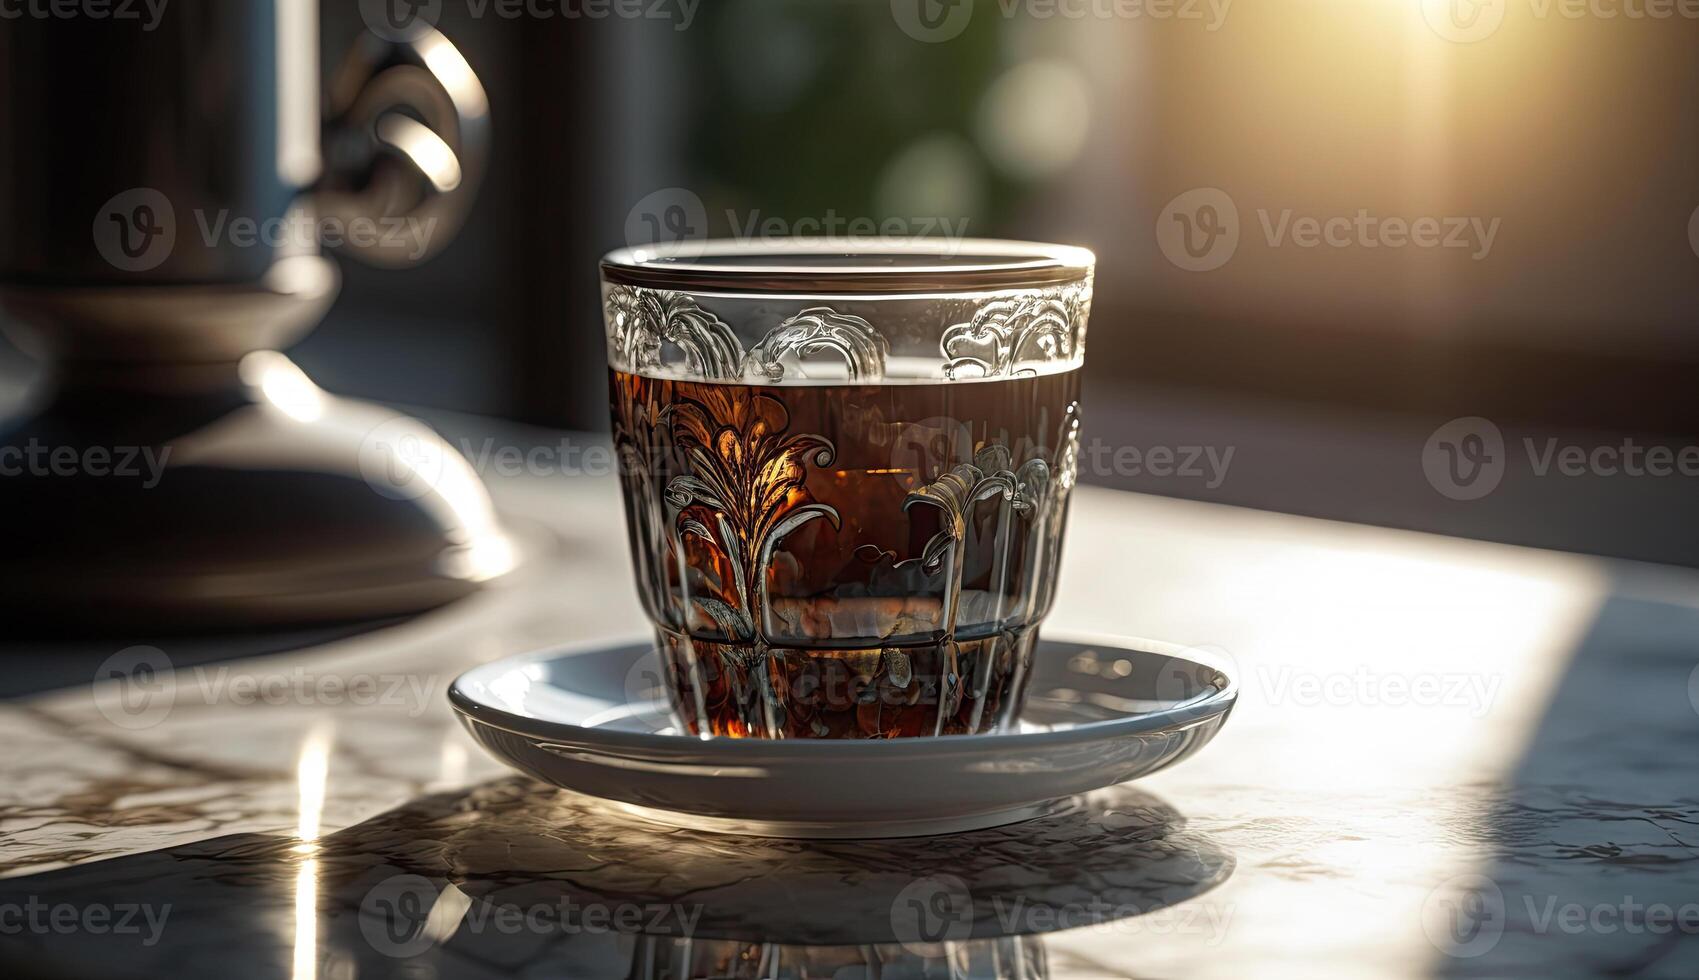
516 877
33 665
1594 867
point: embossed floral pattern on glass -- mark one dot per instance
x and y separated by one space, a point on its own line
837 532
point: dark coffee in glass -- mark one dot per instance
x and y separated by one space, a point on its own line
845 508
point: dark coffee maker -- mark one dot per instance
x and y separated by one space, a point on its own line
170 180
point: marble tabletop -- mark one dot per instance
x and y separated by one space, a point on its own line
1448 759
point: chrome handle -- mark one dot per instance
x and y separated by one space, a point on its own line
407 140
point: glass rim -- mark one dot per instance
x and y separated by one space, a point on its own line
848 266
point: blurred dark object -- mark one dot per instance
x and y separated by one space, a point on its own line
1575 134
1573 138
178 472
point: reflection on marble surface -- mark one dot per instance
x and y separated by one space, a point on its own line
516 876
92 775
1012 958
1444 752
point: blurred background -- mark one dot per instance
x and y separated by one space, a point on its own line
1556 158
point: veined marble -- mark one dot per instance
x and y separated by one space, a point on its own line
1445 756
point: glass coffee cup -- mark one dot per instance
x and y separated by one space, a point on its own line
846 474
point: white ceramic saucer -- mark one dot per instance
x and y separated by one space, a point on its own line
1099 711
